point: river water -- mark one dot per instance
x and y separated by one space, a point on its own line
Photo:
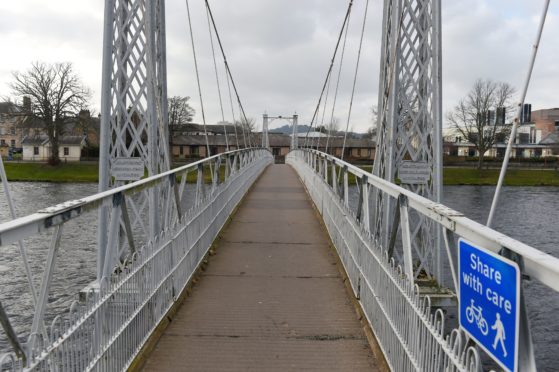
528 214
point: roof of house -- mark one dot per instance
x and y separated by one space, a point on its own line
275 139
63 141
9 108
199 128
550 139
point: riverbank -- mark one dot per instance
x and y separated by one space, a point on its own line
88 172
71 173
42 172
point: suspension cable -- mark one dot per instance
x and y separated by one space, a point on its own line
233 114
337 86
329 71
355 76
198 82
324 108
228 68
217 80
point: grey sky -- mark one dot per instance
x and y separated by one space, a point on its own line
279 50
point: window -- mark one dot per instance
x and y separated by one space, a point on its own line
35 150
66 151
13 131
181 150
2 142
13 143
194 150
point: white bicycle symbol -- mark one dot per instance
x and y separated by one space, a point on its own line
474 313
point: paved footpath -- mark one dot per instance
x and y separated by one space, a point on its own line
272 298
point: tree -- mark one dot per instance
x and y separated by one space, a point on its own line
372 130
481 116
180 111
56 94
247 128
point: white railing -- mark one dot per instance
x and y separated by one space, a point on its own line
108 327
410 331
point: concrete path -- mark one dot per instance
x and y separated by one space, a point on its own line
272 297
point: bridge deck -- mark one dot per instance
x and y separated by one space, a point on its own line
272 297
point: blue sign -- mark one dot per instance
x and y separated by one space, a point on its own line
489 302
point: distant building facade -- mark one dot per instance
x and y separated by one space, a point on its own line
38 148
190 143
536 137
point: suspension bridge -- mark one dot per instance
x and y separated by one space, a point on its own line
236 263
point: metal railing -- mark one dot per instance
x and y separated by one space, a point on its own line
410 330
108 327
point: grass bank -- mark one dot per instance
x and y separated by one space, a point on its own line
80 172
42 172
73 172
515 177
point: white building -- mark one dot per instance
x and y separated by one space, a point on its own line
39 149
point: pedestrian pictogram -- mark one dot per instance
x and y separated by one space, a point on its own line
489 292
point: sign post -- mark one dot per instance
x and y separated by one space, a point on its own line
489 302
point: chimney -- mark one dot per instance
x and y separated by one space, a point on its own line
84 114
27 104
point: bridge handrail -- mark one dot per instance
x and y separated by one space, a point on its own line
537 264
37 222
115 315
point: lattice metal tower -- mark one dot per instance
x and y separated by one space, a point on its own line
409 119
134 118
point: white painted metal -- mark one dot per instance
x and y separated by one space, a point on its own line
409 117
295 133
411 336
134 110
107 329
265 139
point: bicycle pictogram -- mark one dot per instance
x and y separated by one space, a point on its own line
474 312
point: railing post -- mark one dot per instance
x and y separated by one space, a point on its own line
176 193
200 184
41 305
406 237
346 186
334 178
366 215
128 225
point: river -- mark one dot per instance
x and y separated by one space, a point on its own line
528 214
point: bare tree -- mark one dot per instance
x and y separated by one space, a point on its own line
333 127
57 95
372 131
481 116
180 111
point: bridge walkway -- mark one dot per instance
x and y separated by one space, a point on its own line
272 298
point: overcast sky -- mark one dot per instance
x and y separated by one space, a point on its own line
279 50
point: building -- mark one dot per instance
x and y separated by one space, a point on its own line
11 117
37 148
192 144
546 121
536 137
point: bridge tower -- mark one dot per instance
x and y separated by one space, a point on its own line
134 121
409 139
265 138
295 133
